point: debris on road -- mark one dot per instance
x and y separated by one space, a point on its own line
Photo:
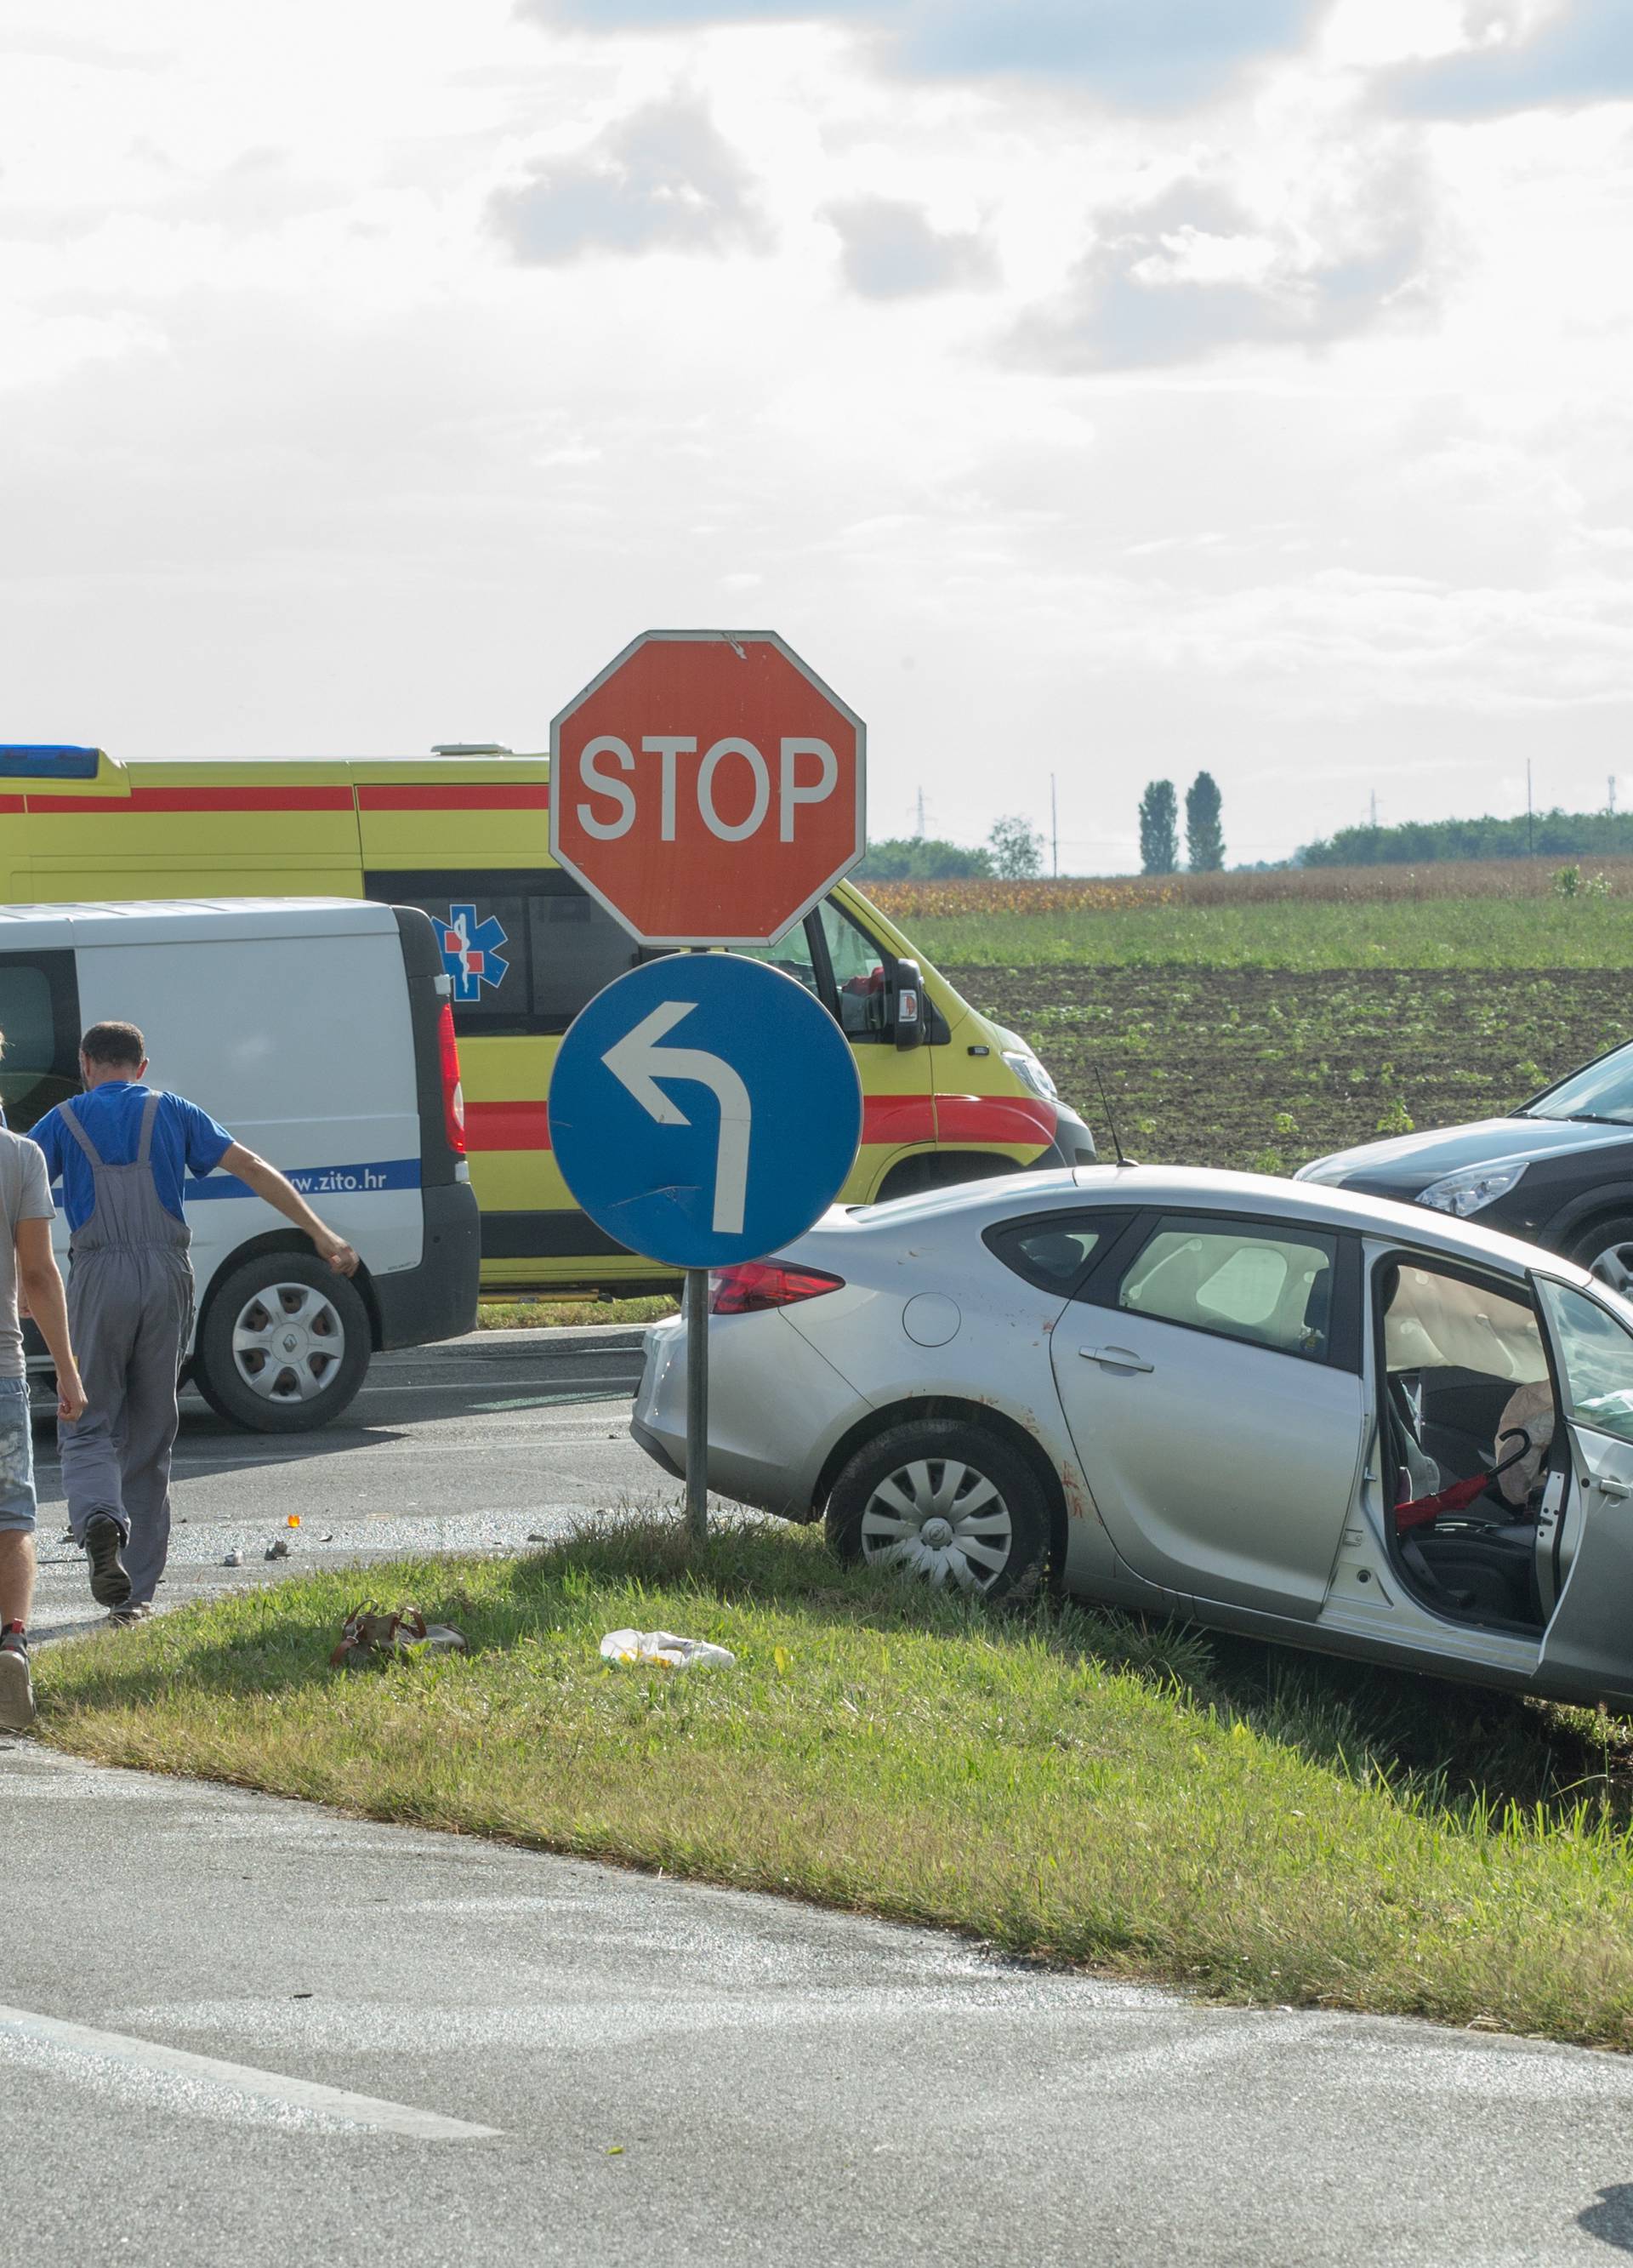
277 1549
233 1559
663 1646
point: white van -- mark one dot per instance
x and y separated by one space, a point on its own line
320 1032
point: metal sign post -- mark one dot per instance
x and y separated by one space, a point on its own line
697 1401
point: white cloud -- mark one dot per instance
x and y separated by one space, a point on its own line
1192 272
891 251
662 180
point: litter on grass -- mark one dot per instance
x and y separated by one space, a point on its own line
662 1645
369 1635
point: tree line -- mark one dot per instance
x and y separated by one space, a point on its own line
1422 842
1013 852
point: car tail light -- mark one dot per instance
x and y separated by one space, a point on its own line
755 1284
452 1092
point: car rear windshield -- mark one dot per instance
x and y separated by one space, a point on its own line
1602 1093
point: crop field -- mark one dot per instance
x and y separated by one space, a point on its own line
1259 1021
1510 914
1265 1068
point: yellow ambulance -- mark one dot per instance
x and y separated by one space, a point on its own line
464 834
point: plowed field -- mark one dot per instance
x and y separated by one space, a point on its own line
1269 1067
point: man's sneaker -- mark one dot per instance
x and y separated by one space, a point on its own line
134 1611
104 1545
17 1687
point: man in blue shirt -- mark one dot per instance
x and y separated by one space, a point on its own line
123 1152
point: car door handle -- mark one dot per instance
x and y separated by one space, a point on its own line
1115 1358
1617 1491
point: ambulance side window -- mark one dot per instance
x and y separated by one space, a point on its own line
575 946
524 948
858 970
39 1018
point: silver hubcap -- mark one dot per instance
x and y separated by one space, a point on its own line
940 1520
1614 1267
288 1343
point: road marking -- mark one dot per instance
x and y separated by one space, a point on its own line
79 2040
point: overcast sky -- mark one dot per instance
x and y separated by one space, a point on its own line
1102 388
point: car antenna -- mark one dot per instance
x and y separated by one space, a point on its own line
1110 1121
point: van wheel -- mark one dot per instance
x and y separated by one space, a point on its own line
1606 1252
945 1501
284 1345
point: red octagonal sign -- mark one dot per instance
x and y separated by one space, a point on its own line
707 787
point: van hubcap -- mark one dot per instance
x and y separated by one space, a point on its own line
941 1520
288 1343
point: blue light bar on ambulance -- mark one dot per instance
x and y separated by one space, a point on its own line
46 763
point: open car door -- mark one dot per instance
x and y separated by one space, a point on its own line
1587 1528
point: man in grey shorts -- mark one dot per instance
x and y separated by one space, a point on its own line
26 1214
123 1152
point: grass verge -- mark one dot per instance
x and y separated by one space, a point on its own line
1066 1786
570 1314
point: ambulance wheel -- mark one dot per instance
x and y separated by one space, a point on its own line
284 1345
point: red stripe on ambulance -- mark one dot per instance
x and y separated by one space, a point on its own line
200 799
486 795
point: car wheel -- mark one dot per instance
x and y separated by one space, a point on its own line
1606 1252
284 1345
945 1501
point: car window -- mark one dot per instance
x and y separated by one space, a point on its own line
1602 1091
40 1019
1263 1285
1435 1321
1054 1253
1596 1354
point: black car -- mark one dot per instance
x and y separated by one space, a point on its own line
1558 1172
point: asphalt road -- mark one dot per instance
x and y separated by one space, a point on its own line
238 2032
471 1446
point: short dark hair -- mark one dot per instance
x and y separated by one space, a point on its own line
113 1043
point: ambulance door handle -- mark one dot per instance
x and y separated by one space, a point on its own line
1115 1359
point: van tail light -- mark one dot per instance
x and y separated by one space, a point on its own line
452 1092
755 1284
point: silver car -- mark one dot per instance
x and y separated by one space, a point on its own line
1280 1409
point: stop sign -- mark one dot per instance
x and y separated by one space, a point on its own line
707 787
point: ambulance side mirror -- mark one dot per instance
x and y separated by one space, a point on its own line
906 1004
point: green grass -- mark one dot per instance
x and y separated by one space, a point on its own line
1489 933
575 1314
1067 1787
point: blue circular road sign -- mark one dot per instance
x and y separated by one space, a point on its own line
705 1108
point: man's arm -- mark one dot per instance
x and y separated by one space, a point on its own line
43 1287
267 1183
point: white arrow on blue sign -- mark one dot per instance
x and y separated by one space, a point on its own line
705 1108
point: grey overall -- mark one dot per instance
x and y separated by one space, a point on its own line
129 1315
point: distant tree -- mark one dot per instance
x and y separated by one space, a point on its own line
1017 847
1159 829
1420 842
1205 841
921 858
